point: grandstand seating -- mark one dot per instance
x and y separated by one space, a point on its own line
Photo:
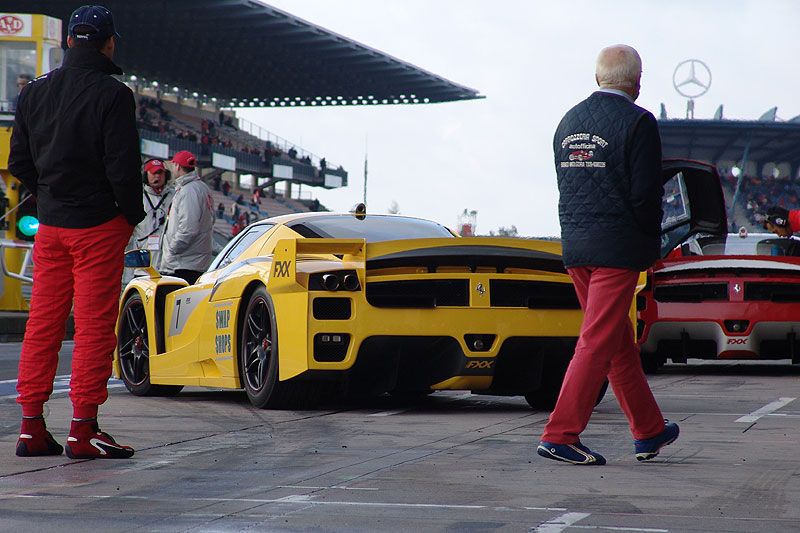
162 120
755 196
268 207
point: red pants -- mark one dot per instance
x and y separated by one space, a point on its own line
606 348
85 265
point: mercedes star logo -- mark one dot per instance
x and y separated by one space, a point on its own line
691 78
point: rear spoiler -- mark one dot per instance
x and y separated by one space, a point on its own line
472 252
284 264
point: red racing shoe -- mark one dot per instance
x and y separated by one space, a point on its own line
86 441
35 440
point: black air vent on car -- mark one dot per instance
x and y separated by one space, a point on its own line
533 294
772 292
691 292
331 347
418 294
332 308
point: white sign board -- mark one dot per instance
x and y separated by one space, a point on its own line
225 162
155 149
333 181
16 25
52 28
282 171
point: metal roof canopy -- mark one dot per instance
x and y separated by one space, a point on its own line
246 53
715 141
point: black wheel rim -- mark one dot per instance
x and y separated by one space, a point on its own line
134 351
257 345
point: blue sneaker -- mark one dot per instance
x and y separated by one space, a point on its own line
649 448
575 453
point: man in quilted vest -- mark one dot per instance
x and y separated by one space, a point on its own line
608 163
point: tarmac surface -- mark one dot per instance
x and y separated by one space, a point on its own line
207 461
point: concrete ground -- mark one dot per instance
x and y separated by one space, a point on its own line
207 461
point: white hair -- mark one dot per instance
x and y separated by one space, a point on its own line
618 67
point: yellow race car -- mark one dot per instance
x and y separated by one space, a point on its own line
353 302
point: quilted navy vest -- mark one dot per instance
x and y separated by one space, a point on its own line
591 148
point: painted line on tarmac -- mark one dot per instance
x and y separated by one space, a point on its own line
621 528
304 498
60 386
390 413
560 523
766 410
340 487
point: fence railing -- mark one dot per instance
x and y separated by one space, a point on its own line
265 135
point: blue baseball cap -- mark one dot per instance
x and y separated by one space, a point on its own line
98 18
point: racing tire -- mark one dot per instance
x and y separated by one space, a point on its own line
258 356
133 351
553 371
651 362
546 396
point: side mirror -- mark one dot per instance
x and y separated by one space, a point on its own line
137 259
141 259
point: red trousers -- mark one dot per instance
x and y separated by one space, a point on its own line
85 266
606 348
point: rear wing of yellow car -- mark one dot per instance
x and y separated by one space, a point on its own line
284 263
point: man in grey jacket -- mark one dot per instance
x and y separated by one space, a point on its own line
186 243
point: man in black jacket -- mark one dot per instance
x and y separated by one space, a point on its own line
76 148
608 163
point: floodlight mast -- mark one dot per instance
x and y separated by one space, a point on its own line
365 170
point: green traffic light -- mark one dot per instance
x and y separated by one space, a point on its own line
28 225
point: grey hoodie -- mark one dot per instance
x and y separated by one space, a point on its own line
187 239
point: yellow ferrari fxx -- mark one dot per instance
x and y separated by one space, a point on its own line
299 304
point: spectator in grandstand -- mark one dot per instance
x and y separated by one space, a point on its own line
240 199
226 188
607 240
187 241
239 225
157 198
75 147
221 210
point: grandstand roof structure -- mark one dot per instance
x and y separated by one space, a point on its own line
245 53
719 140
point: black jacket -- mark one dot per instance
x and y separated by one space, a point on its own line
608 162
75 145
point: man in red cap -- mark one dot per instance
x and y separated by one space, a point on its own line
187 239
157 198
76 148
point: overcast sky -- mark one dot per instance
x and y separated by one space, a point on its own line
533 60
